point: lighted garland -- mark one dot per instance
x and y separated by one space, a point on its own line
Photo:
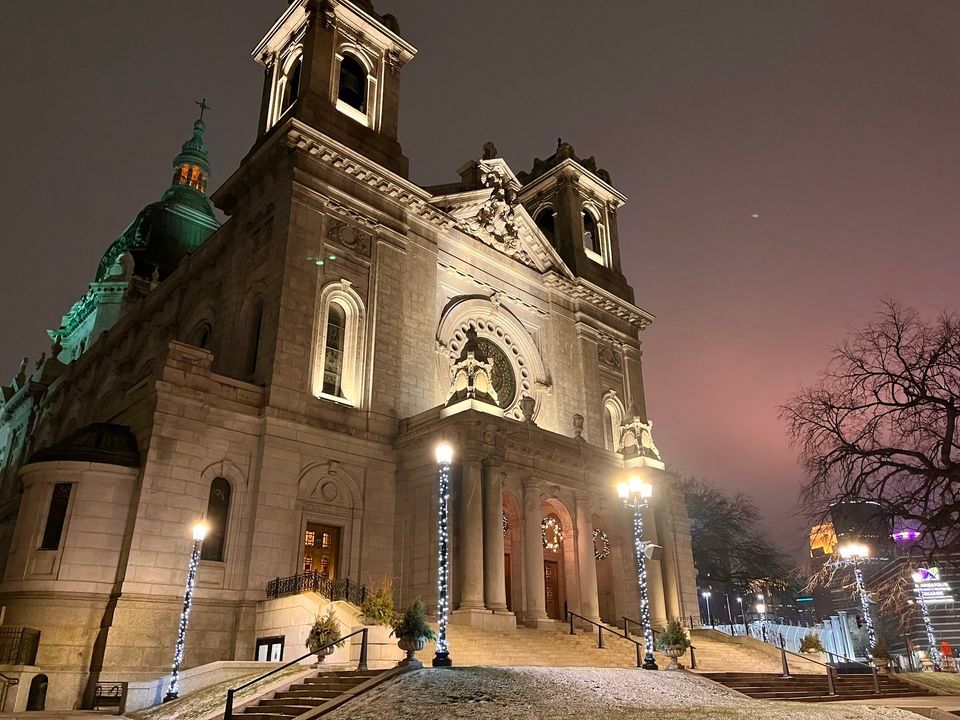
639 546
443 576
551 523
604 550
174 689
865 606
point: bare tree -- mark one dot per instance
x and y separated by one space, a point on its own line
881 423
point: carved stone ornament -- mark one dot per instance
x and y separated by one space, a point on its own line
495 222
394 61
349 236
636 439
328 16
472 374
609 357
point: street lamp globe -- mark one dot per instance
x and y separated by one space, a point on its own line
854 551
200 530
761 608
444 454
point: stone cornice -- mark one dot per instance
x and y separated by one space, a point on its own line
583 290
490 288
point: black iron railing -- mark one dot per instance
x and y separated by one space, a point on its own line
361 666
341 589
600 630
18 645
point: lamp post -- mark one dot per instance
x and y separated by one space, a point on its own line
636 494
726 596
927 624
706 597
742 616
762 612
199 533
854 553
444 454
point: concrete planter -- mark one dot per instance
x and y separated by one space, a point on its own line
411 646
673 652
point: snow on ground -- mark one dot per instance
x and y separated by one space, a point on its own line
484 693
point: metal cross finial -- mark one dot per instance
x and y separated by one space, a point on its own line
203 106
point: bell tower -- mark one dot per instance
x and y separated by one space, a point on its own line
335 65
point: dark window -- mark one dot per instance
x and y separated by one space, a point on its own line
57 516
201 336
291 90
591 238
608 429
544 221
253 349
353 83
218 508
333 351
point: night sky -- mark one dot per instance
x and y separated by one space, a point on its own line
836 121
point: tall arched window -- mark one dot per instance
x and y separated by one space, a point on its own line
338 356
591 234
612 420
218 510
352 89
201 335
291 88
545 222
333 350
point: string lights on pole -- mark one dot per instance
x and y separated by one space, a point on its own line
444 455
853 553
918 578
636 495
199 533
762 612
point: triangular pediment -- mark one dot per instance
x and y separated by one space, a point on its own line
486 206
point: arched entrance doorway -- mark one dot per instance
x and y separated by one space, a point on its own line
37 698
512 549
603 553
553 575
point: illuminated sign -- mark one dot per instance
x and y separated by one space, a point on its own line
930 588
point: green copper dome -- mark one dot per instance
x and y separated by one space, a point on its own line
165 232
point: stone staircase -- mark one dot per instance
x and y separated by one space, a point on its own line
556 648
812 688
307 695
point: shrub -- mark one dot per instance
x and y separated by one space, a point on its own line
413 623
811 643
673 636
378 605
325 630
880 651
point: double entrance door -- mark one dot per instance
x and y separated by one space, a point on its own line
321 550
551 588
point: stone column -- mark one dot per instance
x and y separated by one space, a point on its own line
494 584
471 535
536 602
589 595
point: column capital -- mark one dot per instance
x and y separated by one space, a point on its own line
584 499
493 462
532 482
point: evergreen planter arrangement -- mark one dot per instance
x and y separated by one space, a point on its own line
377 607
412 632
880 654
673 642
811 644
325 631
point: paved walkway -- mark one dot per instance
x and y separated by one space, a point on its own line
947 703
60 715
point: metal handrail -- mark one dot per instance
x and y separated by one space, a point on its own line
831 687
362 665
626 627
873 669
600 628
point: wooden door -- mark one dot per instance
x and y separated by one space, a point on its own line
321 550
551 588
506 580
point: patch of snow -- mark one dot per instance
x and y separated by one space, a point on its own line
528 693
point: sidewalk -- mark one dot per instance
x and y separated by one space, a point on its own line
60 715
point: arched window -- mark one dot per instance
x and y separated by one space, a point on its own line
545 222
201 335
333 351
338 357
352 89
218 509
591 234
291 85
612 420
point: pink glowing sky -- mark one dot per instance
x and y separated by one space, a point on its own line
838 123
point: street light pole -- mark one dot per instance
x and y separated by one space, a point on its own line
444 454
927 624
706 597
742 616
854 553
729 613
199 533
636 495
762 612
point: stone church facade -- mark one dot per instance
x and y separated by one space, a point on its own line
288 373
